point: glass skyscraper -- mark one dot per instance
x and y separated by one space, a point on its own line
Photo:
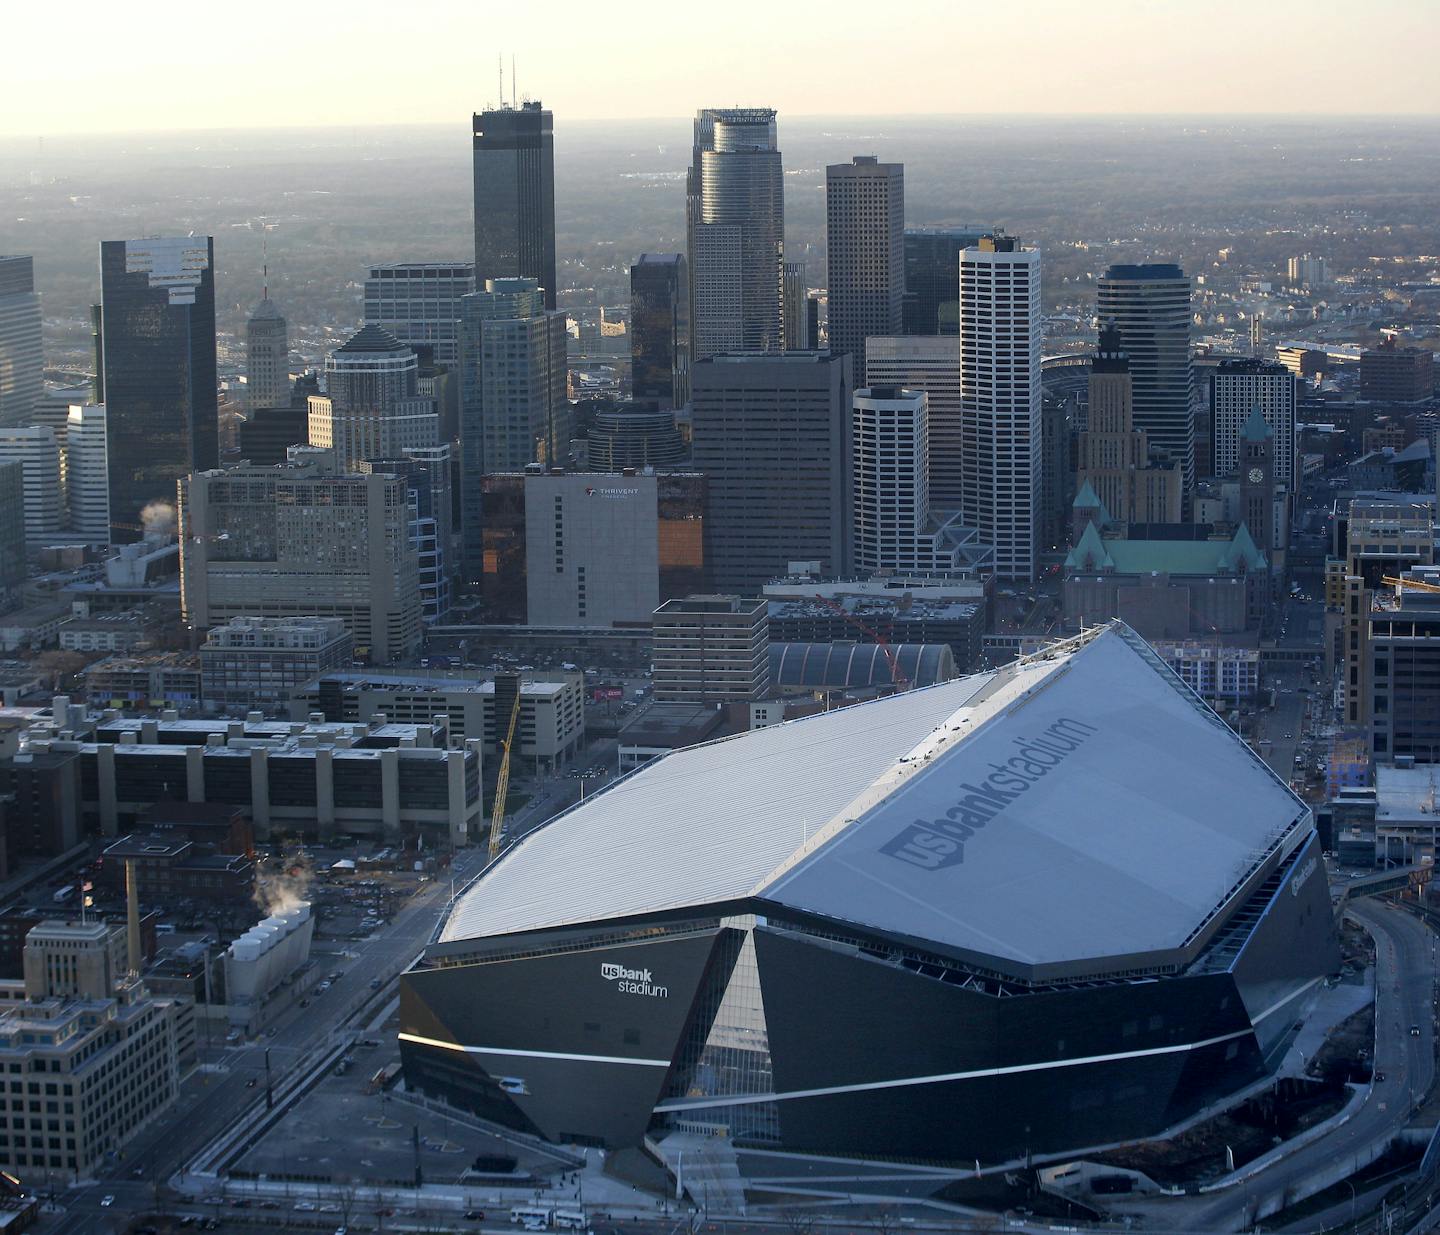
660 329
1150 305
158 308
515 196
932 277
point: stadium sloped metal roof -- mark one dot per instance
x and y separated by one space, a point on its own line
1082 812
702 824
1105 817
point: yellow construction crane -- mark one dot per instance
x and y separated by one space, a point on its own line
502 781
1413 584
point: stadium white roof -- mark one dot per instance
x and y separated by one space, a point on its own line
1077 811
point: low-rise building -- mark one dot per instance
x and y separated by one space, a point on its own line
550 729
169 868
145 682
32 628
1217 673
711 649
90 1056
105 632
255 662
386 780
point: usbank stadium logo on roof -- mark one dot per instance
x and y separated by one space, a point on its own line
934 844
632 981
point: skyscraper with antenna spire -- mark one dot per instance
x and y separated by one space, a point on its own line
514 154
267 348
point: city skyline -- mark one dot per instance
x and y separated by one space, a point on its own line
1048 71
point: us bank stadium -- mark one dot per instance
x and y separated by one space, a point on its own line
1052 906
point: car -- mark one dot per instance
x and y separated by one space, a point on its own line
252 1082
267 1203
1414 1031
106 1201
304 1207
1379 1076
329 1207
374 984
474 1215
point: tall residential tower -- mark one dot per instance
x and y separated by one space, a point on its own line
1000 329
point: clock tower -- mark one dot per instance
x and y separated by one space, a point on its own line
1257 481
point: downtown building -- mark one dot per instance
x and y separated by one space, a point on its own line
932 277
160 391
771 434
267 357
92 1057
302 540
372 407
1000 400
22 356
588 550
513 406
895 531
660 329
929 363
1237 388
1150 306
735 225
419 304
865 252
514 169
807 939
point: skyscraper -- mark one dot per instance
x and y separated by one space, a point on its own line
267 357
932 277
371 408
1150 304
87 474
930 363
513 408
1240 386
772 435
158 313
865 247
1000 329
22 358
735 217
514 153
660 329
419 303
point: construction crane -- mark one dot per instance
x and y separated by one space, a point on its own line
502 781
875 637
1414 584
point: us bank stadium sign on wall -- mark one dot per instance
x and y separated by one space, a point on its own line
632 981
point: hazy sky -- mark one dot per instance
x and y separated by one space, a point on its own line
101 65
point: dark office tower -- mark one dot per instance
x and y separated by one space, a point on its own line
660 329
865 246
1150 305
22 362
515 196
158 306
97 353
735 221
772 436
932 277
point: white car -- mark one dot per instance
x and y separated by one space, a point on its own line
106 1202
